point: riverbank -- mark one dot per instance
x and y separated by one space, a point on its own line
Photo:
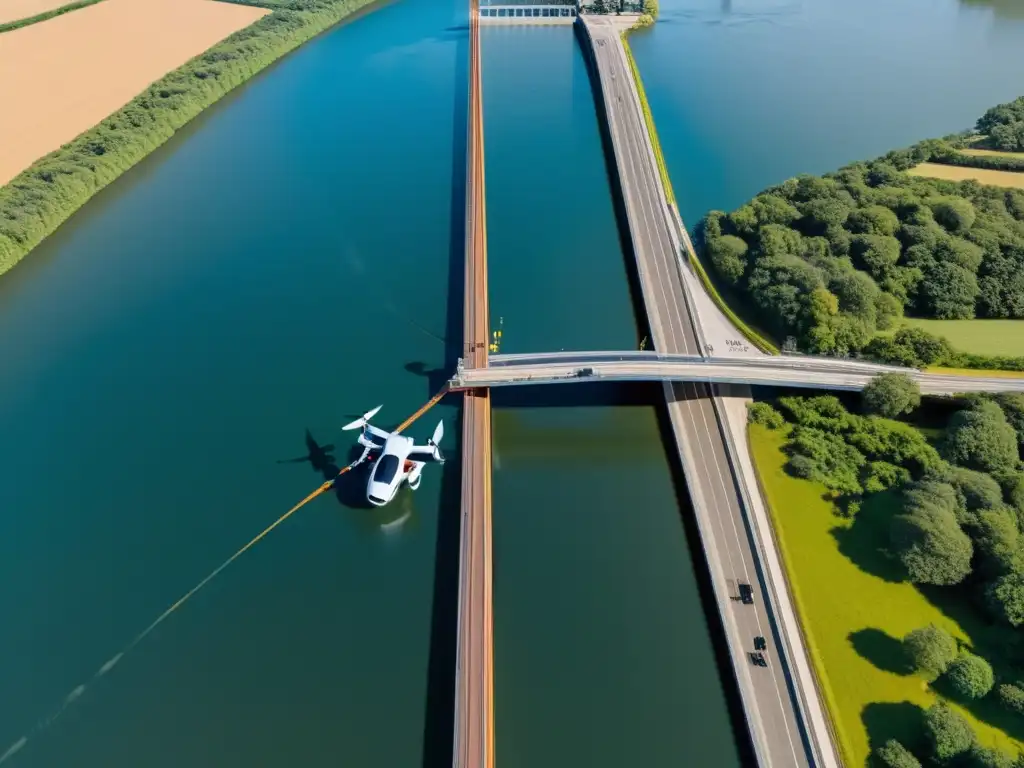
41 198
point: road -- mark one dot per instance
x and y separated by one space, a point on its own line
776 709
570 368
474 676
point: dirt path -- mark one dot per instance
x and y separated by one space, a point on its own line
60 77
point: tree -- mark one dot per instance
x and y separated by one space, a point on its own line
980 438
1012 405
892 754
1012 697
956 214
763 413
873 220
948 292
891 395
970 676
1005 598
930 650
977 490
986 757
651 8
878 254
932 547
949 733
729 256
998 539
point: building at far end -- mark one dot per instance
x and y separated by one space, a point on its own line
528 11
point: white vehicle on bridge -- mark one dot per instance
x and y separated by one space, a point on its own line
400 459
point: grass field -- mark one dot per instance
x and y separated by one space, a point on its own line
64 75
991 153
983 337
855 610
957 173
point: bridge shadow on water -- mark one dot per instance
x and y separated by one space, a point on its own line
439 716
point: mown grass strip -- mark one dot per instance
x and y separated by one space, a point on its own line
46 15
755 338
42 197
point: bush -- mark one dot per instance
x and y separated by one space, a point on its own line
927 538
891 395
764 414
930 650
892 754
970 676
949 733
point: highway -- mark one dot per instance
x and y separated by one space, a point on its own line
786 720
814 373
473 736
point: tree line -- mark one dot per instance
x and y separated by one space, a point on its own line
43 196
832 261
958 523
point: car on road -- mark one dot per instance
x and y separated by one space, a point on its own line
758 659
584 372
760 643
746 594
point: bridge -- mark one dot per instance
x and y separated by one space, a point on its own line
706 399
474 673
809 372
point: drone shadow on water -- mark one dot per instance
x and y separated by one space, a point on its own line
348 490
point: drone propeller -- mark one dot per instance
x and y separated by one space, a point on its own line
438 433
363 420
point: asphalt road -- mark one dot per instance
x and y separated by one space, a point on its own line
770 701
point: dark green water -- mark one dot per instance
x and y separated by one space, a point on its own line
164 351
287 263
602 656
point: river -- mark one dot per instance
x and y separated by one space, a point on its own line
292 259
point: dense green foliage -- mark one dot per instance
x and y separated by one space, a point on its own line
892 754
46 15
970 676
1004 125
830 262
956 522
37 201
950 735
930 650
891 395
763 413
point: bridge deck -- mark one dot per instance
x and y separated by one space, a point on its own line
474 709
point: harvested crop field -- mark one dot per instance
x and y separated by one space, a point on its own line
957 173
991 153
62 76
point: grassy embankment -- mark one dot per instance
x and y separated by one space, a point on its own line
757 338
42 197
985 337
46 15
854 610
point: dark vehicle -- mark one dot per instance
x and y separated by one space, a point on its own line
584 372
746 594
760 643
758 659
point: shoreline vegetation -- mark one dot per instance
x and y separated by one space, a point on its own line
832 263
46 15
42 197
918 512
759 340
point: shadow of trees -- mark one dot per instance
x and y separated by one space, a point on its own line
903 721
881 649
865 540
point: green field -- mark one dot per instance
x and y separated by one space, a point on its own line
854 611
982 337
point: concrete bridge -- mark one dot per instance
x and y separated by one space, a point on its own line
809 372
